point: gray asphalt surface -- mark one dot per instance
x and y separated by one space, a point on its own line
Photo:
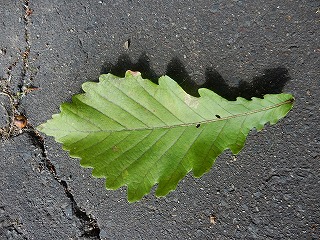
237 48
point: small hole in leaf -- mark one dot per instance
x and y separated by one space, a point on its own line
218 116
198 125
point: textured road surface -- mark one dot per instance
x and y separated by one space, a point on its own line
271 190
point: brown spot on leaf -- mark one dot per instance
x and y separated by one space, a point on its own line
115 148
134 73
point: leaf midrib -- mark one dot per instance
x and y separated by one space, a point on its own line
193 123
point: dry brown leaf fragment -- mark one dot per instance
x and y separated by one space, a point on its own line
20 121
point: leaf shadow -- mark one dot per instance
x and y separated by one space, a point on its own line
125 63
175 70
271 81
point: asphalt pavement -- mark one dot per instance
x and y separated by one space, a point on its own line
271 190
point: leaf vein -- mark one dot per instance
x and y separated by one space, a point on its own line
83 118
139 103
182 158
160 104
121 171
108 100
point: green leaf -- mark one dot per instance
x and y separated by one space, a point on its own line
136 133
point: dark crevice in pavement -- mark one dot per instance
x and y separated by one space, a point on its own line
9 69
90 226
28 72
23 85
26 53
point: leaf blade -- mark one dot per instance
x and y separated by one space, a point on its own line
141 133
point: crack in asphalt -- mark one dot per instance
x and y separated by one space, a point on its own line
28 72
25 55
89 224
90 228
